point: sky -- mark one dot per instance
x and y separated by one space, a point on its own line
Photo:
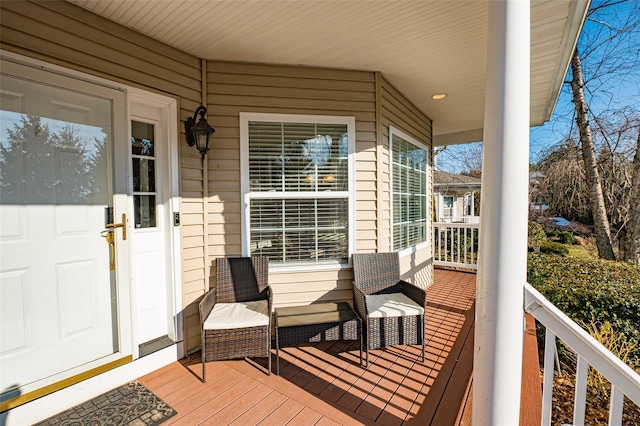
612 91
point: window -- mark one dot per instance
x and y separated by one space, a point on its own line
468 204
447 206
297 187
144 174
409 191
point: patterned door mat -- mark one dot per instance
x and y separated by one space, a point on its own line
128 405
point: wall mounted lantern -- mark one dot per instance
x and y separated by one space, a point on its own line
198 133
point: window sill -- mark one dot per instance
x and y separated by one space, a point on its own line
300 267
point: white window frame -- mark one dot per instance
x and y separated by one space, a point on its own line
445 208
468 204
393 131
247 195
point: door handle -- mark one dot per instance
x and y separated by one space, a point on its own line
122 225
109 237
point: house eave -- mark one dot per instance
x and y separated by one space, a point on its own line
422 48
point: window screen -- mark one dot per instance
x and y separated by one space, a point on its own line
409 193
298 191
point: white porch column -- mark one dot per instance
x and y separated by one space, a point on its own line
503 246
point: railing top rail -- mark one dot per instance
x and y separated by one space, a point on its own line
456 225
611 367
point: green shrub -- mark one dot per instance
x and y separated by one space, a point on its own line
591 291
557 249
566 237
551 233
536 236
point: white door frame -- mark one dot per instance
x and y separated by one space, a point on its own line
170 185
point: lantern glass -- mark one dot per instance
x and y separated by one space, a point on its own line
198 134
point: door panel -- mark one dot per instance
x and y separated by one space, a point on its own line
59 300
16 287
150 260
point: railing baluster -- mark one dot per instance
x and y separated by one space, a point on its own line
465 239
457 236
547 386
453 243
446 244
473 244
452 247
615 406
580 401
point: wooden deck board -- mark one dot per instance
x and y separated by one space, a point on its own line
324 384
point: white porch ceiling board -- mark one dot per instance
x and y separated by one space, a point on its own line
422 47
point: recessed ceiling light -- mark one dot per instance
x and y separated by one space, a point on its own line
438 96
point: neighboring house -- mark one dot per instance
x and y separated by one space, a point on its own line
456 197
325 127
536 201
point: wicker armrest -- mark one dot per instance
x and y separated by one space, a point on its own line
206 305
359 301
417 294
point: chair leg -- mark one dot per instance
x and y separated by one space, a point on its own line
360 339
422 334
269 354
204 351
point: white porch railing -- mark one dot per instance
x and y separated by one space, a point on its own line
624 381
456 245
459 219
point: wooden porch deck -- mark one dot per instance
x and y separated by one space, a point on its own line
323 384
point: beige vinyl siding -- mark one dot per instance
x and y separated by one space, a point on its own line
233 88
69 36
397 111
458 208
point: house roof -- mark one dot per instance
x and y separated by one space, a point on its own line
453 181
422 47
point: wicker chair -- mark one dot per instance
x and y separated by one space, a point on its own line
235 316
392 309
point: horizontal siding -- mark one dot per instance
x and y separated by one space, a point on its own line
306 287
397 111
104 48
72 37
233 88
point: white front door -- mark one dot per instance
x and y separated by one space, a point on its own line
151 262
60 141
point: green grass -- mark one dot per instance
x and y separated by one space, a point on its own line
582 252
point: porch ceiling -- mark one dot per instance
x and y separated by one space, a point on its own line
423 47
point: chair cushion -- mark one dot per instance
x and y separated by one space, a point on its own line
238 315
391 305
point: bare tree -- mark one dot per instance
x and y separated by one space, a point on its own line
601 225
464 159
632 249
561 183
610 59
560 180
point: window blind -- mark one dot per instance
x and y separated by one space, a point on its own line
304 168
409 193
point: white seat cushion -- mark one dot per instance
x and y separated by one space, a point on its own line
391 305
238 315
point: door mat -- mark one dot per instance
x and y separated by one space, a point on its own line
128 405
